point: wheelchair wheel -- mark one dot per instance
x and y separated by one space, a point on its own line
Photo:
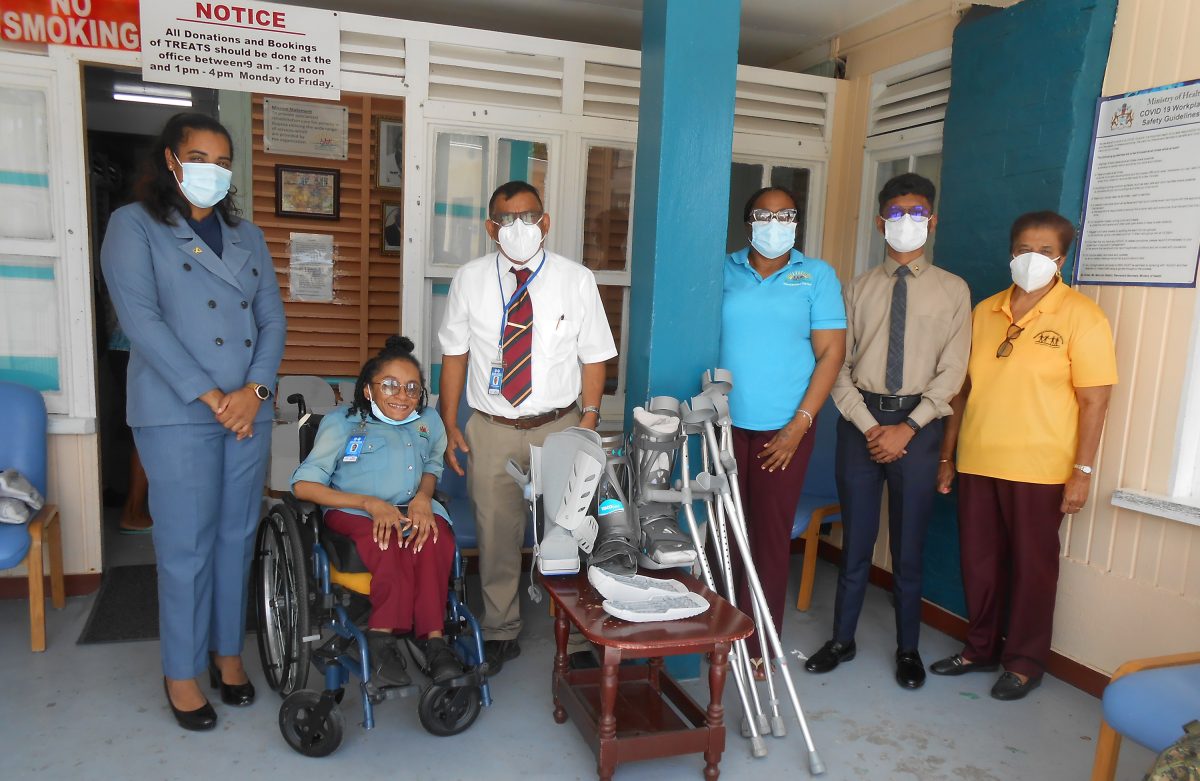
306 729
281 601
445 711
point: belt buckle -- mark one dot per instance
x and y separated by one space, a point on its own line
889 403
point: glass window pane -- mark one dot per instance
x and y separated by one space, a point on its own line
606 208
614 298
24 165
460 193
744 180
930 166
884 171
29 322
524 161
796 180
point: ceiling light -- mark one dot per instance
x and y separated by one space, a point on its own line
159 99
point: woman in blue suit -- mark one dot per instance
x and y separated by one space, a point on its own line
195 290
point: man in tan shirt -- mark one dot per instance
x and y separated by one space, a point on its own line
908 338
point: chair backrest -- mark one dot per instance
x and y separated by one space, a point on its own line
23 423
317 393
819 480
346 390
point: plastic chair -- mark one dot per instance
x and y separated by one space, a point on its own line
819 505
317 393
23 447
1148 701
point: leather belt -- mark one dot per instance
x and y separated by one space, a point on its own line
524 424
890 403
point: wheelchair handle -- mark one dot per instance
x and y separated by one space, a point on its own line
298 400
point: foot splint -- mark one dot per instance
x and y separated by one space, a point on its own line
653 447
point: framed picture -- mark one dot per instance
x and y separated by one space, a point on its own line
389 167
391 235
307 192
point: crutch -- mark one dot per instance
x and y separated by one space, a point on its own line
737 524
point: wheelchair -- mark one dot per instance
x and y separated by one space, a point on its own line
310 591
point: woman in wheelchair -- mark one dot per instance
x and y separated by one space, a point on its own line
366 465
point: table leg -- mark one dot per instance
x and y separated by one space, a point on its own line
609 678
656 665
561 629
718 665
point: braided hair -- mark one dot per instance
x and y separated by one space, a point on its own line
397 348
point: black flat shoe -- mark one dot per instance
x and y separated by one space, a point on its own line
237 694
1009 686
199 720
910 670
957 665
441 663
830 656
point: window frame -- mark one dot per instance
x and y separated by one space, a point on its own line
814 217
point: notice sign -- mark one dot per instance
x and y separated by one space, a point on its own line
95 24
253 47
292 127
1142 213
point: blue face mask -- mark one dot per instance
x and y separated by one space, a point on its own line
378 413
772 238
204 184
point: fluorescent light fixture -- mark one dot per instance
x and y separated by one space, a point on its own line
152 99
152 93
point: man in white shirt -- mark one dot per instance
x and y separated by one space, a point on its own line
525 332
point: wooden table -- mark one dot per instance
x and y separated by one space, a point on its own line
640 712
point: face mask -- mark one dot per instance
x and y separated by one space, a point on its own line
1032 271
905 234
204 184
772 238
378 413
519 241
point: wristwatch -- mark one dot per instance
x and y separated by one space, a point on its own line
914 425
596 410
261 391
1087 470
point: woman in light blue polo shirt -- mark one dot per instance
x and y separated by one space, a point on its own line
783 335
373 468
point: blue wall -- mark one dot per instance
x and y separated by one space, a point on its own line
1024 85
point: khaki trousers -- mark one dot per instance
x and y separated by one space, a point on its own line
500 514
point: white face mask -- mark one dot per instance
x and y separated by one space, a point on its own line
905 234
772 238
379 414
519 241
1032 271
204 184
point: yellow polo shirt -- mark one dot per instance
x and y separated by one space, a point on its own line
1022 418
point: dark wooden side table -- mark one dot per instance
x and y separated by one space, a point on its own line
641 712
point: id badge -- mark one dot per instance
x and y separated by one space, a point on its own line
354 447
495 378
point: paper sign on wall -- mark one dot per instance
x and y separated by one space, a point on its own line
310 269
248 46
293 127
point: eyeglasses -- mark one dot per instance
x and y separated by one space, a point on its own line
391 387
1006 347
504 219
763 215
918 212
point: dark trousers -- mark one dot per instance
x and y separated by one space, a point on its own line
911 485
1008 534
408 589
770 500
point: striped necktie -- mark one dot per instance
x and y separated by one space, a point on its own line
518 345
894 373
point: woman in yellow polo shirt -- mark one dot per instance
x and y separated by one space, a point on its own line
1026 427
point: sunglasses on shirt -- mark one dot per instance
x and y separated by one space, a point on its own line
1006 347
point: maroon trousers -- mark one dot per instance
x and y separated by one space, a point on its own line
1008 535
770 500
408 589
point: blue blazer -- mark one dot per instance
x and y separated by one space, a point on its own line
195 321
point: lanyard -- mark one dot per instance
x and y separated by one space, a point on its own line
516 296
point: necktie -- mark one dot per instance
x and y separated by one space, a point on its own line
894 375
518 345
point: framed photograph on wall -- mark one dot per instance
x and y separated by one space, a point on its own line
389 167
307 192
391 235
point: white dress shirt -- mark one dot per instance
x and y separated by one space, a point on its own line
569 328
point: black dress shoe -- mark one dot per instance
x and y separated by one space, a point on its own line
199 720
1009 686
388 665
957 665
830 656
237 694
497 652
910 670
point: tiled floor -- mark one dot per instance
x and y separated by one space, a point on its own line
84 712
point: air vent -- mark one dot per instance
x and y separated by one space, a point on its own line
468 74
910 100
369 53
611 91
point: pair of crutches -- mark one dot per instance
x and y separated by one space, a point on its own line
717 486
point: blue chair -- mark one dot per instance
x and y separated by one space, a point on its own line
819 505
1147 701
23 447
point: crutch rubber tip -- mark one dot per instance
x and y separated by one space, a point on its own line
746 731
778 728
763 727
815 765
758 747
